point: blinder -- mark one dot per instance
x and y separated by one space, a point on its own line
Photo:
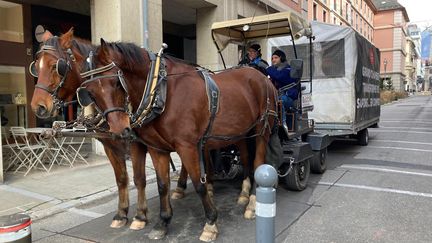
62 67
32 69
83 96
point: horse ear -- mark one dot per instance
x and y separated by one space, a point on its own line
46 35
66 38
103 51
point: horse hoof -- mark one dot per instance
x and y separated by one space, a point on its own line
157 234
249 214
137 225
177 195
118 223
209 233
242 200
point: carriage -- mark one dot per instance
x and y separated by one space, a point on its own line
301 149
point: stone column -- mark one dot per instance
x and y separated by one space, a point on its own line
119 20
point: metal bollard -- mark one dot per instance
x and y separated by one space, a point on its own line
265 211
15 228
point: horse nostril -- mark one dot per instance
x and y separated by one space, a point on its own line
42 110
126 132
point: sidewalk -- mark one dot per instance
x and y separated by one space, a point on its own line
65 189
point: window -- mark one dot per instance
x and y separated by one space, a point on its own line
11 22
356 21
334 20
352 17
334 5
13 109
361 25
324 16
340 7
361 4
346 11
314 11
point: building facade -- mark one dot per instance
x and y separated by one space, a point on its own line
411 58
183 25
414 32
390 37
358 14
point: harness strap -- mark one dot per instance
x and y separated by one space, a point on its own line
213 97
109 110
150 74
97 70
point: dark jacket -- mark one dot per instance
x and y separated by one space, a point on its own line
257 63
280 76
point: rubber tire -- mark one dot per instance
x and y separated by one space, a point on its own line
363 137
292 181
318 162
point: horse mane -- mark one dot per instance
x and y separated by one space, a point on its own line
132 54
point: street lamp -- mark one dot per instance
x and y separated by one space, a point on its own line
385 71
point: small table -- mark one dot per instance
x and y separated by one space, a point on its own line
53 145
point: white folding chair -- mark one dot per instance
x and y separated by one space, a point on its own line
32 152
11 153
74 146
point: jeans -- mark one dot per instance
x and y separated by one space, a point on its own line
287 102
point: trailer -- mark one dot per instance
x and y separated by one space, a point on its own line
345 70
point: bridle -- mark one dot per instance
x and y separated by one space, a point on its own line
63 67
83 95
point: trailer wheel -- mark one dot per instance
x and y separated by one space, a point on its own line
318 164
298 177
363 137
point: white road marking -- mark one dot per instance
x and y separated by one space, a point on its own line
400 148
407 120
399 141
86 213
385 170
396 131
406 128
378 189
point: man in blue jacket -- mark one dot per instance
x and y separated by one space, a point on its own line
253 59
279 73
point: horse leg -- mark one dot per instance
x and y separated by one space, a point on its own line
119 165
138 155
259 160
189 157
210 171
161 165
243 198
179 193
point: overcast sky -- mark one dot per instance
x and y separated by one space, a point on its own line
419 11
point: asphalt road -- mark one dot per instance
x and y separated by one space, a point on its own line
377 193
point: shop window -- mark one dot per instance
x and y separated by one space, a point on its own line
11 22
12 96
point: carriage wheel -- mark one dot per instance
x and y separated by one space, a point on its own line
318 163
297 179
363 137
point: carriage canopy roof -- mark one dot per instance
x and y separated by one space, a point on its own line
277 24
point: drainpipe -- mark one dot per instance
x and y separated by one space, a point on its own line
144 4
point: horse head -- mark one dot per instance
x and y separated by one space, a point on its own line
57 68
106 87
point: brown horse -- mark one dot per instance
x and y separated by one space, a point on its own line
247 104
57 82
